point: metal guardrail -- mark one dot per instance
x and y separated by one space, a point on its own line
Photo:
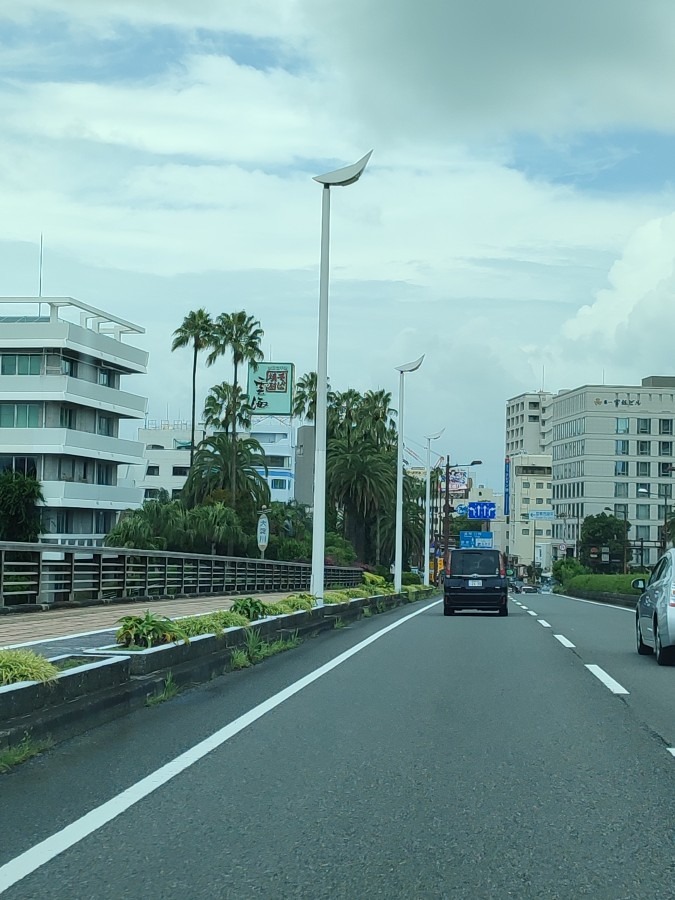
39 574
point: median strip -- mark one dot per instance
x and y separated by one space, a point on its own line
606 679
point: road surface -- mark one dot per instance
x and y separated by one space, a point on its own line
407 756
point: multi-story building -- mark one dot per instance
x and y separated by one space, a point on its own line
167 456
613 451
525 422
529 538
61 404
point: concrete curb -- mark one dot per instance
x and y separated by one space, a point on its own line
117 681
626 600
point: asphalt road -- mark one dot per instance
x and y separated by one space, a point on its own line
465 757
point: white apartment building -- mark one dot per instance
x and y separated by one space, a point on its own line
529 487
612 450
61 403
525 422
167 455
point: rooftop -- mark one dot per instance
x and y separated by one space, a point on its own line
89 316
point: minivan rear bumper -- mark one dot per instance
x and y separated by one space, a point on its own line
493 599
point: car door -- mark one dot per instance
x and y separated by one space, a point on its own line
662 589
647 602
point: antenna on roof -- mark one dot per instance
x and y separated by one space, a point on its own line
40 269
543 377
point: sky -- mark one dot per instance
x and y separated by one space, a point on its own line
515 223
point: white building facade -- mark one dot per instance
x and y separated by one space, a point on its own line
613 451
529 538
62 365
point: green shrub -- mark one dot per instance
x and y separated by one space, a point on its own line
239 659
278 609
149 631
227 618
370 578
24 665
335 597
299 601
250 607
613 584
410 578
212 623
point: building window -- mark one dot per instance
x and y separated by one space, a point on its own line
533 404
151 493
533 418
665 470
621 448
526 501
644 448
665 490
621 510
153 470
68 417
644 469
279 484
155 447
20 415
642 511
21 364
548 532
539 500
105 377
526 530
641 489
665 448
642 532
25 465
621 467
621 489
665 426
175 493
181 471
644 426
105 426
278 461
538 531
526 484
539 484
66 469
104 473
622 426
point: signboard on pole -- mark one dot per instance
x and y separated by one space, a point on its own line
270 389
482 540
507 486
458 481
542 514
263 533
482 510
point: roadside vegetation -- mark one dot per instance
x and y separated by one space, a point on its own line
25 665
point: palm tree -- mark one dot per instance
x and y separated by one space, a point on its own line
304 397
211 474
239 334
346 414
196 330
213 526
19 510
221 400
377 416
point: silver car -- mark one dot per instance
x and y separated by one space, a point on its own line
655 613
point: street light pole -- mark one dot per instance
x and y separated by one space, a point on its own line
338 178
427 515
398 547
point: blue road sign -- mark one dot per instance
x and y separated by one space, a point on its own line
461 509
482 510
470 540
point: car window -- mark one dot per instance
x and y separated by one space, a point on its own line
658 570
476 562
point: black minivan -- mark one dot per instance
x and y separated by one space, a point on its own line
475 579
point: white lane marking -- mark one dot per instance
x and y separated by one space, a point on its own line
563 640
606 679
671 750
544 623
522 606
65 637
531 612
72 834
597 603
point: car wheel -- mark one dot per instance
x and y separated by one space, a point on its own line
504 610
448 612
665 656
641 647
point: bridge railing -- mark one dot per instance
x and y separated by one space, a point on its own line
39 574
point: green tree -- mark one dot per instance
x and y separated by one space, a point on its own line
222 399
195 331
239 334
377 418
213 527
304 397
19 510
210 477
566 569
600 531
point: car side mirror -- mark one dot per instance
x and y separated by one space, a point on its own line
638 584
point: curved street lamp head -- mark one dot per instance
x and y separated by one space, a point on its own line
348 175
434 437
476 462
411 366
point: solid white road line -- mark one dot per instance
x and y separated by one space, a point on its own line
596 603
531 612
606 679
544 623
42 853
563 640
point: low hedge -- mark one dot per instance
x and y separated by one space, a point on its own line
609 584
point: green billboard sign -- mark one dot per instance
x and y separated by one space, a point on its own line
270 389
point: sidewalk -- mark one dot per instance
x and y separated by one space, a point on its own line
20 628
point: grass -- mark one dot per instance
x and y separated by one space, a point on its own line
24 665
167 693
72 662
339 623
367 612
27 749
239 659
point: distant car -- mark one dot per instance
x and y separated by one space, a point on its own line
655 612
475 579
529 589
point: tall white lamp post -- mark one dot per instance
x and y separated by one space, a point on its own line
427 515
338 178
398 551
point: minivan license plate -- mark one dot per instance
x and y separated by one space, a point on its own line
475 582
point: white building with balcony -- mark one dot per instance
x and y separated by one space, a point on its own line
61 404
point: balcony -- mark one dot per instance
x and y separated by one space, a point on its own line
84 495
25 388
68 442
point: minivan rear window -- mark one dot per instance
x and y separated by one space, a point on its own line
474 562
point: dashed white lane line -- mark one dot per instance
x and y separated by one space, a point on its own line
607 680
563 640
671 750
522 606
544 623
531 612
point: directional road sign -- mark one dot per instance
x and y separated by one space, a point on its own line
542 514
482 510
